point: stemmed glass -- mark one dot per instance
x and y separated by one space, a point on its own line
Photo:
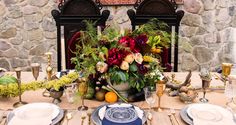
206 79
82 88
226 69
160 88
35 70
70 91
205 86
150 96
230 90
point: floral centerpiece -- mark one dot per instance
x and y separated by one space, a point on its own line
119 57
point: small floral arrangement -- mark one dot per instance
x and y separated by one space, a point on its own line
122 56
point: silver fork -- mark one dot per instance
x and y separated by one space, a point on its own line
172 111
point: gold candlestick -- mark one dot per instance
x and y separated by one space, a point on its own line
18 75
49 69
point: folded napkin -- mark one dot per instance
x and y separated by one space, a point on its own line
47 120
102 111
105 121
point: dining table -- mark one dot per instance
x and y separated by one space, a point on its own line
171 105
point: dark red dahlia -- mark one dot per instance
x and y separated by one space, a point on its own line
141 40
142 69
129 42
115 57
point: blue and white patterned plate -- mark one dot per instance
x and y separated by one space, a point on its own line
98 121
121 114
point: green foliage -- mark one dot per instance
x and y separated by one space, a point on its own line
118 76
6 79
86 52
11 89
157 32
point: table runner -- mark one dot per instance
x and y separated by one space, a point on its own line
215 97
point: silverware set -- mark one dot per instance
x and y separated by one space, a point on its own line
69 115
172 117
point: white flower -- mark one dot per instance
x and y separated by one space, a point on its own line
124 65
138 58
129 58
101 67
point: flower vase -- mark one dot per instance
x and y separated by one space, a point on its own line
122 88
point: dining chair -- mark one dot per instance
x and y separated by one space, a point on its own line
69 18
163 10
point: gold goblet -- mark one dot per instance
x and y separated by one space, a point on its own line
18 75
35 70
82 88
226 69
160 88
205 86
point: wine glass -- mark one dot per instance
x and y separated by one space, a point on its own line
150 96
35 70
160 88
82 88
70 92
226 69
230 90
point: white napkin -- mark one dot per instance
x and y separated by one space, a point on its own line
101 112
47 120
32 116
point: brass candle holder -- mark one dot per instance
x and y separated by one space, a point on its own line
160 88
226 69
49 68
18 75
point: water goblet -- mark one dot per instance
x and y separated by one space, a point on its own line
230 90
226 69
82 88
160 88
70 92
35 70
150 96
205 86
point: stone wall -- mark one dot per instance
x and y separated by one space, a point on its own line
27 31
207 32
210 28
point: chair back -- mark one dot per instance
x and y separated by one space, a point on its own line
70 20
163 10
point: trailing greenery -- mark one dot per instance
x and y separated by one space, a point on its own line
11 89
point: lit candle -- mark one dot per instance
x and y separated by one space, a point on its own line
122 31
63 64
99 31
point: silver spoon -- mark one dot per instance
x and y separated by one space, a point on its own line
68 117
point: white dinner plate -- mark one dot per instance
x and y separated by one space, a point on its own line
208 112
37 110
